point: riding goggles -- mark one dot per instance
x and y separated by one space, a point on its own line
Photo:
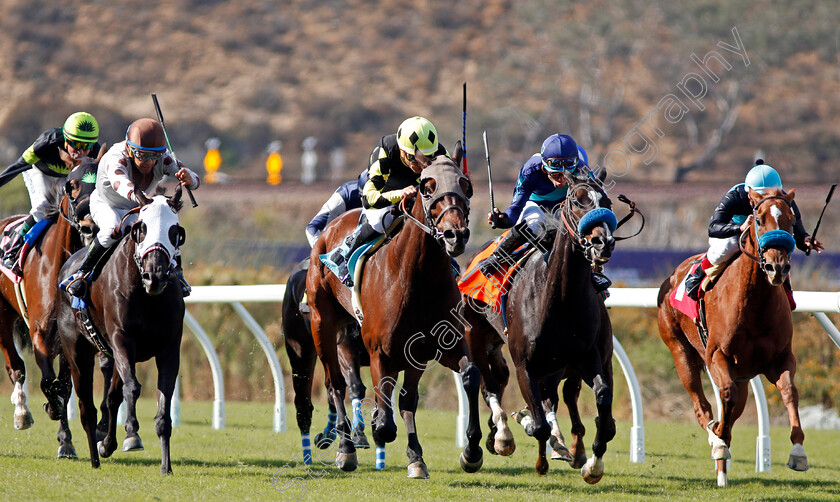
556 165
79 145
145 154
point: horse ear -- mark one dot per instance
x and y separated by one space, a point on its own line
789 196
138 231
421 157
175 201
754 196
458 156
101 152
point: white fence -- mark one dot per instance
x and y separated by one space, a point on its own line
817 303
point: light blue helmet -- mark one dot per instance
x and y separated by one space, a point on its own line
762 177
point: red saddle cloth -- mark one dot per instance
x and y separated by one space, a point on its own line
489 290
13 275
680 300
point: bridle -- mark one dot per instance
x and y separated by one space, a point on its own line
579 227
771 238
429 201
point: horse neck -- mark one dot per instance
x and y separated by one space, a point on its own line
414 246
567 275
66 242
122 261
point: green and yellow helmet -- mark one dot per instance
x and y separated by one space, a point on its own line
417 132
81 126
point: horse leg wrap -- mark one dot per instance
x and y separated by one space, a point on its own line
719 448
306 443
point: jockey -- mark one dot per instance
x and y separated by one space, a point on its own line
393 175
127 171
542 185
345 198
731 217
78 137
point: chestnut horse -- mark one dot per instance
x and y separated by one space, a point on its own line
59 240
557 328
302 355
750 329
137 306
408 293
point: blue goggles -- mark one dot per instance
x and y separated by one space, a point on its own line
559 165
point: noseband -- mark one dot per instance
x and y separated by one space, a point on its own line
430 200
592 218
771 238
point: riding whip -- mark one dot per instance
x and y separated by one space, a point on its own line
169 145
814 234
489 179
464 130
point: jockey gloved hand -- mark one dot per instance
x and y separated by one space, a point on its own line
408 192
498 219
746 224
814 244
185 178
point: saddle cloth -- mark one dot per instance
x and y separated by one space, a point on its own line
680 300
490 290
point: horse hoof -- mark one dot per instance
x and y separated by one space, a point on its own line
542 466
721 452
418 470
578 462
360 441
798 462
24 420
504 447
589 477
593 470
103 452
67 451
323 442
347 462
559 451
132 443
474 466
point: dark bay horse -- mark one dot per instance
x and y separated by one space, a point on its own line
750 329
71 230
137 305
408 295
302 356
557 328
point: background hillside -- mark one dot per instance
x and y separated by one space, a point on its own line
348 71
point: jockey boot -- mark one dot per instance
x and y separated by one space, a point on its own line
341 257
695 279
501 257
76 283
186 289
600 282
11 253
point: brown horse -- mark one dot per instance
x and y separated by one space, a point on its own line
137 306
302 356
40 271
749 326
408 293
557 328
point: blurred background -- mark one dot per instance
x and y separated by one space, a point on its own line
674 100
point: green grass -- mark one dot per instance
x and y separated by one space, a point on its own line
247 461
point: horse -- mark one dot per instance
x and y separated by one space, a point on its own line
557 327
137 307
34 305
302 356
749 329
408 293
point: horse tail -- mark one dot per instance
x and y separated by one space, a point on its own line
21 334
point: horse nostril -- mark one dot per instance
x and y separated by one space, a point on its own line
786 269
449 234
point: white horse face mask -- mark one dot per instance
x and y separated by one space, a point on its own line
157 228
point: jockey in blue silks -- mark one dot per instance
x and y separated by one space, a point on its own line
345 198
541 186
731 217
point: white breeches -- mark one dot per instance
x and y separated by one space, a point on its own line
40 185
721 250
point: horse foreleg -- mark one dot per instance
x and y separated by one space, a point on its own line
15 367
731 394
168 363
458 360
65 437
577 450
106 367
495 380
351 369
535 425
50 385
798 460
559 451
408 408
125 366
114 397
302 359
80 359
